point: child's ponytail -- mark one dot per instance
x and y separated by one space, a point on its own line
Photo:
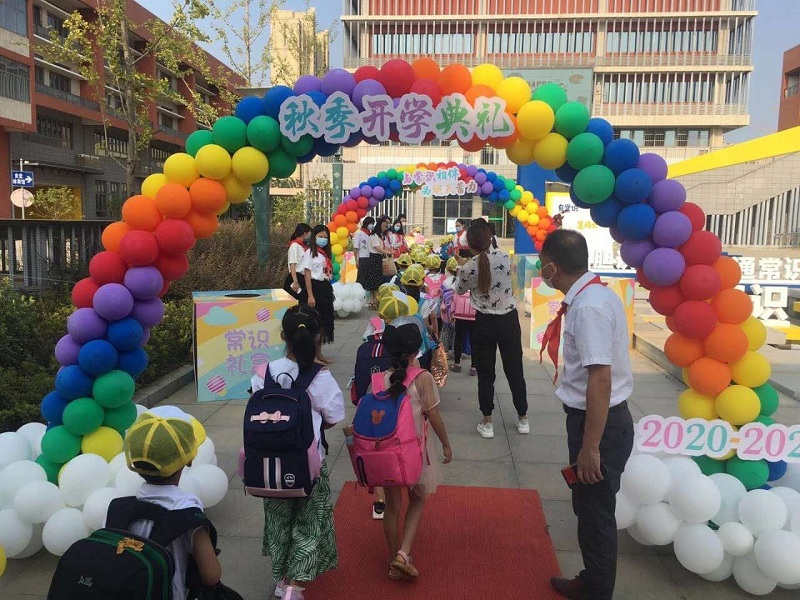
398 376
301 331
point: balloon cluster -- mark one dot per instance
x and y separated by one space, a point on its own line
755 535
350 299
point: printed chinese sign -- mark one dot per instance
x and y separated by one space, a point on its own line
444 182
234 332
411 118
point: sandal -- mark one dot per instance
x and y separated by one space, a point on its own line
407 570
455 368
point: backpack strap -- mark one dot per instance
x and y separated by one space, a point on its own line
378 382
262 370
306 378
168 525
377 324
411 374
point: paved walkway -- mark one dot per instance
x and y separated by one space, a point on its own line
508 460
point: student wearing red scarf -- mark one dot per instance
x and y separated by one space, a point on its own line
295 283
318 270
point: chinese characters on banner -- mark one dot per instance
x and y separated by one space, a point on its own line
413 117
444 182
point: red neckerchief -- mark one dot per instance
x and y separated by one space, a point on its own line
298 241
328 264
552 335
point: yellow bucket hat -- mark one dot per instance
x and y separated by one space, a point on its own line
404 260
159 447
387 288
452 264
434 262
396 304
413 275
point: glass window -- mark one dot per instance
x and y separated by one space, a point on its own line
55 129
39 74
703 137
14 80
101 198
683 137
438 207
60 82
638 137
14 16
669 137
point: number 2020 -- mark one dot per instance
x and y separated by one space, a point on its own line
773 443
695 437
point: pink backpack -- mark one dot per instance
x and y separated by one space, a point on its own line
434 284
462 308
386 450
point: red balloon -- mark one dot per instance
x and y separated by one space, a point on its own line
695 214
341 209
361 212
700 282
164 289
367 72
429 88
665 300
172 266
363 202
351 205
552 228
695 319
138 248
538 246
670 324
107 267
473 145
643 281
702 248
83 293
396 76
175 236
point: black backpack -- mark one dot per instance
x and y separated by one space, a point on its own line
371 358
281 458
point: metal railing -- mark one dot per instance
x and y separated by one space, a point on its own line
15 87
38 138
67 97
667 109
45 32
787 240
171 131
673 59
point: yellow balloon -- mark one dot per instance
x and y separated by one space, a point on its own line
738 404
338 258
224 208
522 215
535 119
533 219
250 165
527 197
236 191
181 168
693 405
752 370
521 152
342 233
488 75
2 561
551 151
213 161
199 432
103 441
515 91
152 184
334 237
756 333
337 249
515 211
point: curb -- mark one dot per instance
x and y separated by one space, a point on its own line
163 388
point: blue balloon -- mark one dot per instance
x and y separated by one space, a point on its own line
97 357
249 108
73 382
633 186
383 182
133 363
777 469
621 155
388 194
499 184
492 197
323 148
491 176
602 129
766 486
126 334
566 173
482 170
317 98
503 195
274 98
577 201
373 181
395 185
636 221
52 408
605 214
306 158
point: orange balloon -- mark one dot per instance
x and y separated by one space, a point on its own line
732 306
425 68
729 272
203 225
432 166
351 216
545 222
683 351
473 145
113 234
173 200
708 376
507 141
340 221
727 343
455 79
532 230
542 211
476 91
208 195
541 235
352 227
670 324
332 226
141 212
421 165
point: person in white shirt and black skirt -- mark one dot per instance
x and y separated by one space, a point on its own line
318 270
379 248
361 248
295 283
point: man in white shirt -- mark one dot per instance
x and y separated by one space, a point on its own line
594 387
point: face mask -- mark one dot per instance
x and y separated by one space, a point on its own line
459 228
397 228
370 227
548 281
322 242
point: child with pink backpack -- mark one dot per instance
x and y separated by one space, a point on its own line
389 444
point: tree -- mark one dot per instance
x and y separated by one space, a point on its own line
54 204
116 57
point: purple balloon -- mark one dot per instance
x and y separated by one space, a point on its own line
664 266
307 83
672 229
148 312
373 202
668 194
480 178
367 87
355 192
471 170
113 301
338 80
487 187
354 140
366 191
616 234
85 325
461 166
378 192
654 165
144 282
67 351
145 337
634 252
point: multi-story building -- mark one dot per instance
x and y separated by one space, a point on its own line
672 75
51 119
789 112
296 47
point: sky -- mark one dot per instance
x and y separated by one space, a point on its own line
776 31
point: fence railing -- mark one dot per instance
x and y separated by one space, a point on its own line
67 97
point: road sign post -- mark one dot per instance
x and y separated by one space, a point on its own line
23 179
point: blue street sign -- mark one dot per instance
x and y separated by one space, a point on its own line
22 179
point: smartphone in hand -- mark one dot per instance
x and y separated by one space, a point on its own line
570 474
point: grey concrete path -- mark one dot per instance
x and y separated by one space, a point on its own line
508 460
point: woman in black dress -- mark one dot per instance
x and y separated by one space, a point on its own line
318 270
379 248
295 283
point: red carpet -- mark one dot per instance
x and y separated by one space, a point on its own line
472 543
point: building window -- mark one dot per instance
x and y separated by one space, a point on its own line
682 137
39 74
654 137
447 210
684 40
14 80
422 43
14 16
166 121
157 158
110 145
101 198
60 82
55 129
173 85
56 24
561 42
488 156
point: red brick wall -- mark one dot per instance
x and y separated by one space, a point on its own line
789 111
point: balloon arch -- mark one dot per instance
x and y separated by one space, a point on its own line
661 234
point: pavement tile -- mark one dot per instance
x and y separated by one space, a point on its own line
496 473
244 569
540 477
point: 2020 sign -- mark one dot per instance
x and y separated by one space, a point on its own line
718 439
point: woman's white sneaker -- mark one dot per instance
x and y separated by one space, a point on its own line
486 430
523 426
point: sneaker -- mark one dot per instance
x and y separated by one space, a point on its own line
293 593
523 426
378 509
473 371
486 430
280 588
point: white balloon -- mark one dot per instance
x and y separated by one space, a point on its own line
750 577
789 586
634 532
350 305
35 544
342 313
33 432
128 482
117 463
213 483
14 447
358 291
645 480
81 476
736 538
37 501
169 412
96 507
698 548
63 529
337 304
694 498
761 511
724 571
625 512
15 533
190 485
791 478
657 523
140 409
16 475
205 453
777 555
731 491
680 467
794 522
790 498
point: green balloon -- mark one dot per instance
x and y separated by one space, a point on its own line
59 445
769 399
281 165
516 195
594 184
538 265
336 267
113 389
571 119
585 150
83 416
511 185
510 204
382 174
764 420
200 138
708 465
120 418
752 473
299 148
552 94
50 468
264 133
230 133
393 174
